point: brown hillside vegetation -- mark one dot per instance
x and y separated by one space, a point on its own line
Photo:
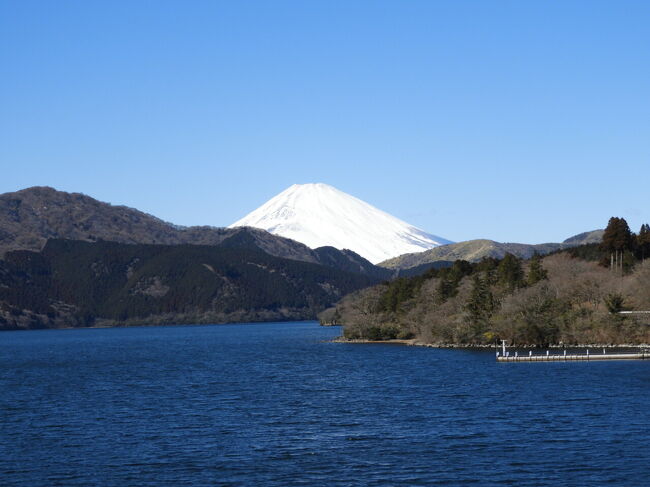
28 218
571 304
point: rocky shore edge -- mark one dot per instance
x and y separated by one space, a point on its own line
413 342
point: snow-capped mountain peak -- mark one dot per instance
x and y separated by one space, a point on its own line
318 214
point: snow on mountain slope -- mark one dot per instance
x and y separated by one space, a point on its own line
319 215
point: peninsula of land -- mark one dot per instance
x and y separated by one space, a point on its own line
571 297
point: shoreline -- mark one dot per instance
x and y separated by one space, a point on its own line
413 342
103 323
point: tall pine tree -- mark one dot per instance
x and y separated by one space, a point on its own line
618 236
480 305
619 242
536 272
488 266
643 242
510 272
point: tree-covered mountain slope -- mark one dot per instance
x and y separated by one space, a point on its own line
558 299
74 283
573 296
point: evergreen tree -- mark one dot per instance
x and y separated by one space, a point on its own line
481 304
450 279
398 291
460 269
536 272
620 242
510 272
447 288
617 236
643 241
488 266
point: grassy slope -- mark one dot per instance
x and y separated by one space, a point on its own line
471 251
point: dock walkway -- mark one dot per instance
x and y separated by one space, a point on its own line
583 357
506 356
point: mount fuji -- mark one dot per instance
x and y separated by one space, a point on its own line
320 215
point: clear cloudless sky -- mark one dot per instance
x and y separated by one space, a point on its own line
524 121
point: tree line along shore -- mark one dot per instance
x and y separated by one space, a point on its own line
570 297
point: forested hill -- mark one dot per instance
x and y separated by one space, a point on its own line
570 297
74 283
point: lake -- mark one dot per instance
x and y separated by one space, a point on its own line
276 404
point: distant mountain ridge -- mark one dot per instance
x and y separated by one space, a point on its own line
28 218
475 250
595 236
320 215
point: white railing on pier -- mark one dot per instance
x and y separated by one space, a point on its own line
506 356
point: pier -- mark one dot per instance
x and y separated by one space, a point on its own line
600 354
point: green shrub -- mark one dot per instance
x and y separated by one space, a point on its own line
389 332
614 302
374 333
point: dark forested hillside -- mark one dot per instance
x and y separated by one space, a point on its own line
350 261
73 283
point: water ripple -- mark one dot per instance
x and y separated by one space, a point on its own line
276 405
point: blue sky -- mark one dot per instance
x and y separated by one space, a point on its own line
523 121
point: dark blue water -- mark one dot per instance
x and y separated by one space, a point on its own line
275 405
